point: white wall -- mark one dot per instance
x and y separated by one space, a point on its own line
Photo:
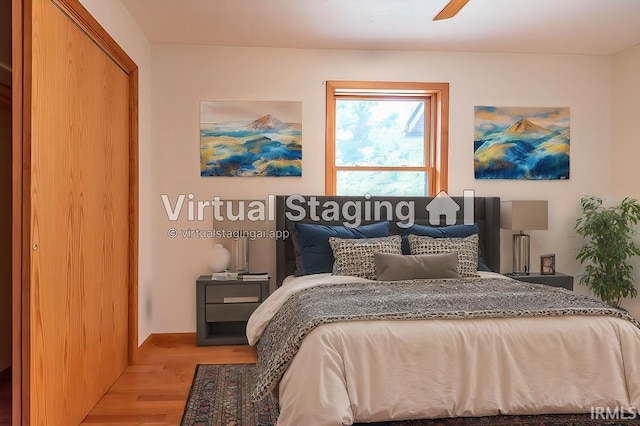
625 137
184 75
117 20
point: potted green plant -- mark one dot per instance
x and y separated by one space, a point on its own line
608 231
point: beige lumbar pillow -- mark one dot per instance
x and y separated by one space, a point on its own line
397 267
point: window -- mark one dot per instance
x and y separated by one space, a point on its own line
386 138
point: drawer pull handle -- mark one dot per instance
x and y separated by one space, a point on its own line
248 299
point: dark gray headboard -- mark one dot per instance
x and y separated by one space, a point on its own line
486 215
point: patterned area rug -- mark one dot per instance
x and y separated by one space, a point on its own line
220 396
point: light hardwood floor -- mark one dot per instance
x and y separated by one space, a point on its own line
154 391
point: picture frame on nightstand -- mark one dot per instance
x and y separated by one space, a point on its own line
548 264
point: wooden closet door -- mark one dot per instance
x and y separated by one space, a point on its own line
79 196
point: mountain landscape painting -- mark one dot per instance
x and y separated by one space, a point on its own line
250 138
521 143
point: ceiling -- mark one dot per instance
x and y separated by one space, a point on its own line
593 27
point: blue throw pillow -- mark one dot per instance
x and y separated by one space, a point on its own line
482 265
453 231
313 243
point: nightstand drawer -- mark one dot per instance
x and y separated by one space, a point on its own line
557 280
216 293
229 312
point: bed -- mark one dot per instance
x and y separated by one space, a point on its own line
448 362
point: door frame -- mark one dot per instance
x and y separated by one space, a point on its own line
21 183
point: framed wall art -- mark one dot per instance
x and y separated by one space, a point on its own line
261 138
521 143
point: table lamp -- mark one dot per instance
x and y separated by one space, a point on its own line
241 227
521 215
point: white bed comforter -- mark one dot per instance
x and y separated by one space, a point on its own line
363 371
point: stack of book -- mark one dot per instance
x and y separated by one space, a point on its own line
254 276
226 275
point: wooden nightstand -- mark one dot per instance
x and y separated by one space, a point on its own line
557 280
223 308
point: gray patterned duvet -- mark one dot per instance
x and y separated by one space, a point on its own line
408 300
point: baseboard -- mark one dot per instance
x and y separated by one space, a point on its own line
5 375
172 339
143 348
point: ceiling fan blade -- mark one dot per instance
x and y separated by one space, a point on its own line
451 9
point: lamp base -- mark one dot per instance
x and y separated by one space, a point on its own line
521 264
240 254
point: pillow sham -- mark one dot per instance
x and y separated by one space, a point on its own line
355 257
467 249
311 243
482 265
452 231
396 267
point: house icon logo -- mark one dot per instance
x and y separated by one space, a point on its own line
443 205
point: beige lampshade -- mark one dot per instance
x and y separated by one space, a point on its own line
230 210
524 215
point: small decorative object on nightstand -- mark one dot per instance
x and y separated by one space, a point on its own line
221 258
555 280
223 308
548 264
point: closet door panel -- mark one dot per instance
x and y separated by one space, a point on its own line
80 135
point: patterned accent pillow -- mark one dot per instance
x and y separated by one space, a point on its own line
354 257
467 249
